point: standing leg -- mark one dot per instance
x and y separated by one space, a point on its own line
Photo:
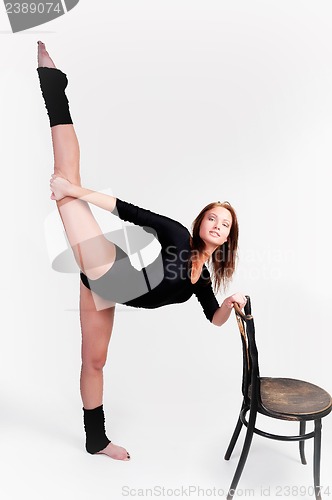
94 254
96 333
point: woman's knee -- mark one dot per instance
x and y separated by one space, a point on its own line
96 331
94 351
93 363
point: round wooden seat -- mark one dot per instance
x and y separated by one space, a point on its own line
291 397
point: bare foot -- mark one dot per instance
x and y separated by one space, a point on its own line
116 452
44 59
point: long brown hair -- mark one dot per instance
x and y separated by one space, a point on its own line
224 257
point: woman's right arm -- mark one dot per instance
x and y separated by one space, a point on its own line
102 200
166 229
62 187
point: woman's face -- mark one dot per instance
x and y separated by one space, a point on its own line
215 227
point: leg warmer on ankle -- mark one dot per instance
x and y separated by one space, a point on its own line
53 83
94 424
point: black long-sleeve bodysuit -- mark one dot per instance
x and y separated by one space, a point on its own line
164 281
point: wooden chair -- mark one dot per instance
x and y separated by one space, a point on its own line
281 398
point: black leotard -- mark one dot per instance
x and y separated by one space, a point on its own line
166 281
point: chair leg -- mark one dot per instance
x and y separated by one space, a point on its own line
302 431
234 437
317 452
244 454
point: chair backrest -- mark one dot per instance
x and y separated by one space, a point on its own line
250 376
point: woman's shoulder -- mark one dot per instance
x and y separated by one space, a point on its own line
125 208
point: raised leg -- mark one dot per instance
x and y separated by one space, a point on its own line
301 443
317 452
94 254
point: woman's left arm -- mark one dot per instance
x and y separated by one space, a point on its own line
223 313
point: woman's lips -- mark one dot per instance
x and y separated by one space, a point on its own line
215 234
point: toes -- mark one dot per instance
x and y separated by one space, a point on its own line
42 48
117 453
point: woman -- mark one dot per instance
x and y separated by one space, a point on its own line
107 276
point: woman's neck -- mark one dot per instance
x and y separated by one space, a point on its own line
201 256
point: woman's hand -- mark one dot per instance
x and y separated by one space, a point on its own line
60 187
239 298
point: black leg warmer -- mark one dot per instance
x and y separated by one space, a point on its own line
94 424
53 83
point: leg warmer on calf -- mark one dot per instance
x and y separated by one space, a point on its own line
94 424
53 83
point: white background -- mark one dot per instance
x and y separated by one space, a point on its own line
175 104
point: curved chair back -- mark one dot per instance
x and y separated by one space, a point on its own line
250 374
